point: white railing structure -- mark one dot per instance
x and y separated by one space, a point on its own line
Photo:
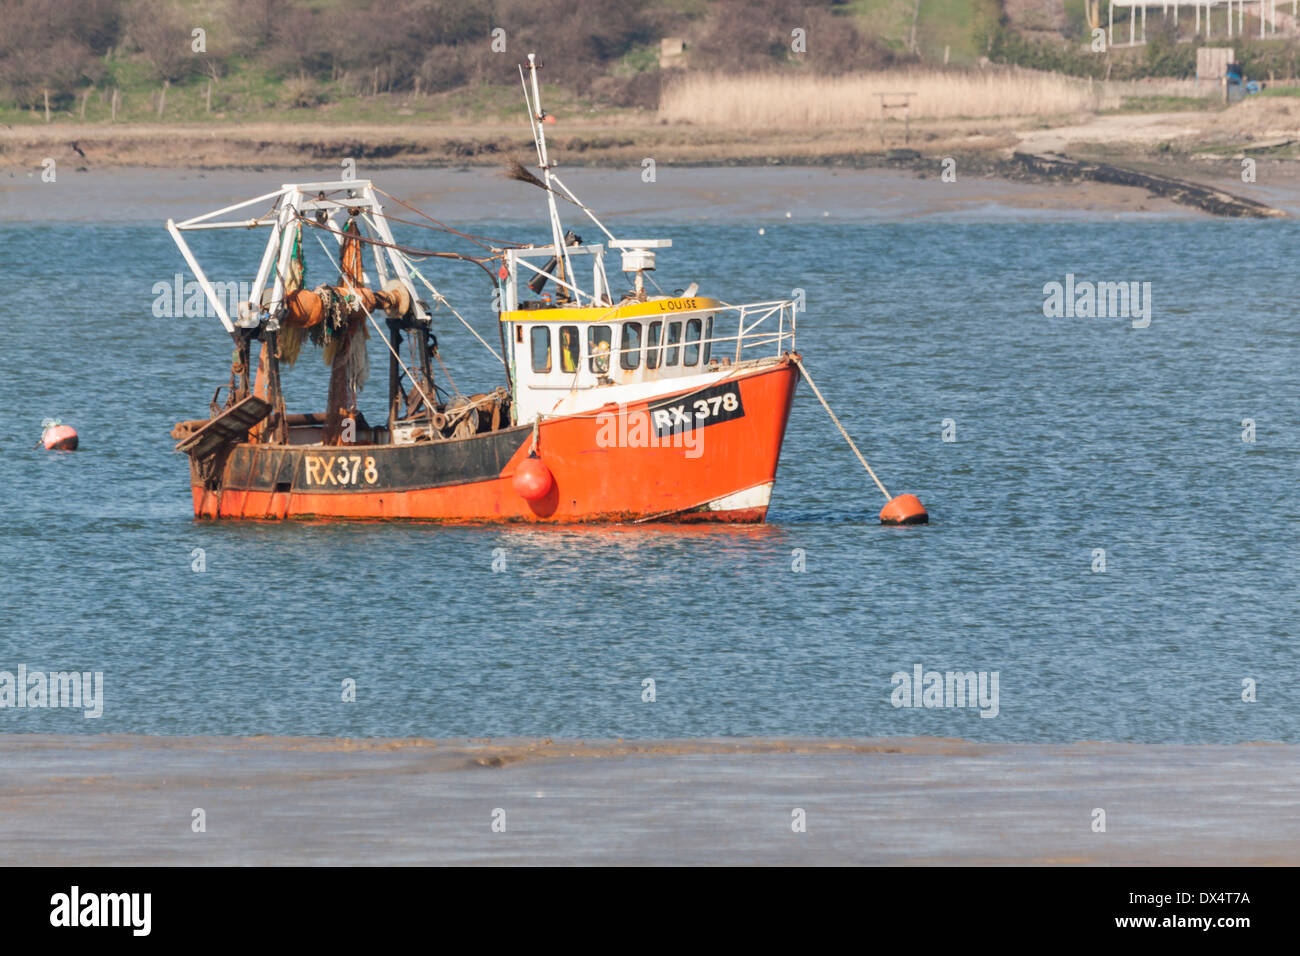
759 327
748 336
520 269
288 203
1264 10
785 310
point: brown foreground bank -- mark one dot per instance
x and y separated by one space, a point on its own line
99 800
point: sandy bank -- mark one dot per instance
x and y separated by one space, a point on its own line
131 800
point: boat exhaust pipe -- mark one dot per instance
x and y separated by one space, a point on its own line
538 282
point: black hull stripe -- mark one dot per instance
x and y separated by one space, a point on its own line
345 469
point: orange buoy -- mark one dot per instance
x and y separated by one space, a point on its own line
59 438
532 480
905 509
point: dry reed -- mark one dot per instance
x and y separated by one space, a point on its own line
772 100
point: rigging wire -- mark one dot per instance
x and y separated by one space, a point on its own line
480 261
443 300
442 225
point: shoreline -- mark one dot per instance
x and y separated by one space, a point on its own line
1180 162
130 800
1005 164
748 195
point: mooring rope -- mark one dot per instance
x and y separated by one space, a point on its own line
811 384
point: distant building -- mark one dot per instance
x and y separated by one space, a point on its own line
672 52
1231 16
1212 62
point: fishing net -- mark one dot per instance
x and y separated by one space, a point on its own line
292 336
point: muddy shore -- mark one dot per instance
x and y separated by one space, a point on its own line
147 174
1257 127
95 800
751 195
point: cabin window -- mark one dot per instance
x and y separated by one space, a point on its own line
541 340
691 352
708 339
652 344
598 345
671 342
568 348
629 356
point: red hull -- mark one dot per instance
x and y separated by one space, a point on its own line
724 474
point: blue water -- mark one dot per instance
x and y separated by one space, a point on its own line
1071 435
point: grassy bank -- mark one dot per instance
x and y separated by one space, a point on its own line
252 97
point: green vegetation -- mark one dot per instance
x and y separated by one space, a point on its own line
281 60
386 61
287 61
1165 104
1162 56
1077 26
957 25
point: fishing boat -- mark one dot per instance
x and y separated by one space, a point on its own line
628 406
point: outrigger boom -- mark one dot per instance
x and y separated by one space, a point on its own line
288 203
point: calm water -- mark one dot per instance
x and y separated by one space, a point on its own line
1072 435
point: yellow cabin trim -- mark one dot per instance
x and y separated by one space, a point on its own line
631 310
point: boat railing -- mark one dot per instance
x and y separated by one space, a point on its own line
758 325
752 318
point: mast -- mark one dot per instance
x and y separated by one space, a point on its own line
537 116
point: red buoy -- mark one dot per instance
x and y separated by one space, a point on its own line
532 479
60 438
905 509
